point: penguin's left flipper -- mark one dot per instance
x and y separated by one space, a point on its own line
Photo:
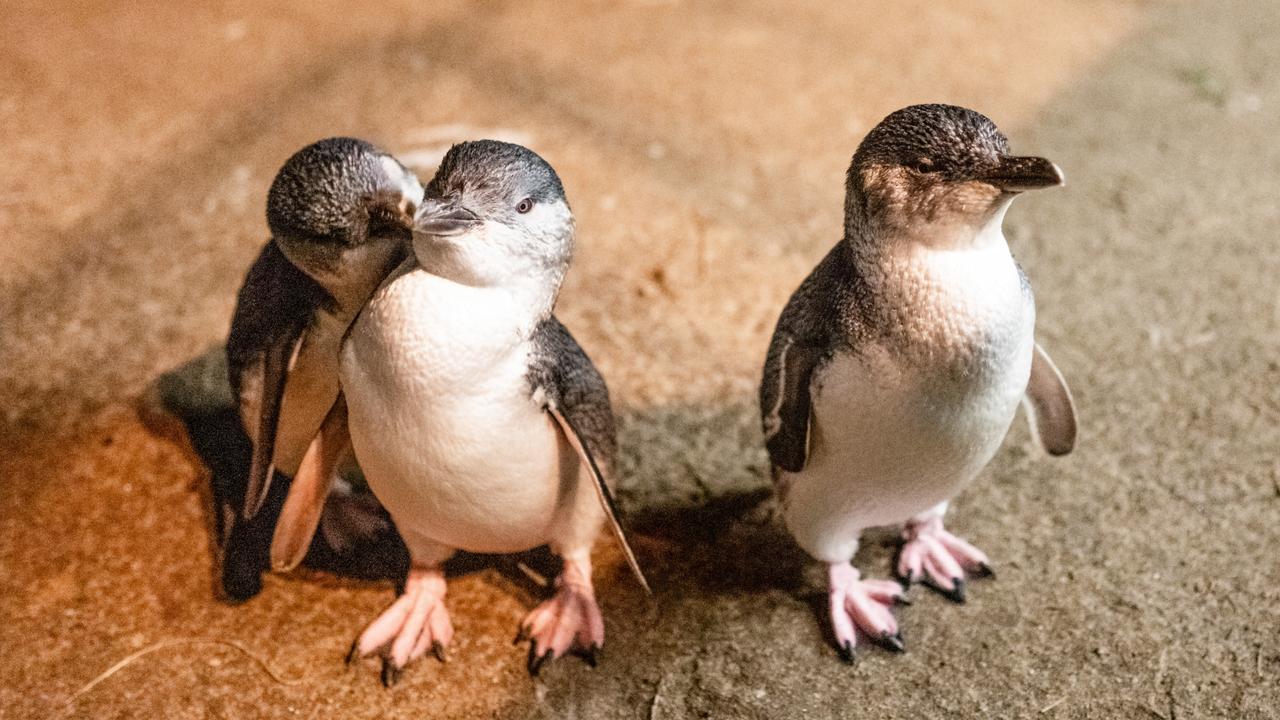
311 485
575 395
1049 406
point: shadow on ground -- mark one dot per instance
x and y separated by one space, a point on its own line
198 396
709 540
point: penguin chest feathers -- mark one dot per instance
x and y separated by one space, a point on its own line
960 318
904 419
442 417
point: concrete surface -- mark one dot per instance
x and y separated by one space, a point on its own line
703 147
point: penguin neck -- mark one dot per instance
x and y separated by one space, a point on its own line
931 295
532 285
876 246
348 274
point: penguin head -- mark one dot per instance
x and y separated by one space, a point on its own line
937 173
337 195
495 213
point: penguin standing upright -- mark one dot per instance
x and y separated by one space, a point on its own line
340 212
896 368
479 422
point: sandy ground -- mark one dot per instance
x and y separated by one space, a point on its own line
703 147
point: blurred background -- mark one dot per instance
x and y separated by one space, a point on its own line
703 147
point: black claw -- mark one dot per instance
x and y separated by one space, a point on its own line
521 635
354 653
984 571
893 642
902 600
438 649
536 660
592 655
846 653
909 579
956 593
390 673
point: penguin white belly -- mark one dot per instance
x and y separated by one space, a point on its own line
897 430
441 417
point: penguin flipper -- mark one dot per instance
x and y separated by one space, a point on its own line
274 365
822 315
785 400
1050 409
602 491
305 502
574 394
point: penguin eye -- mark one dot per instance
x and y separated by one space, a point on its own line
525 206
922 165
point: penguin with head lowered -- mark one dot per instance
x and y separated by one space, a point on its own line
897 367
480 424
340 212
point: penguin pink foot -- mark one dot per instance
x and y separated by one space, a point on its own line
939 558
415 623
865 605
569 622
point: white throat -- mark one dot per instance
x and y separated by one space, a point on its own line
962 233
991 233
494 256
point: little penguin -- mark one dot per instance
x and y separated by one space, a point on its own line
479 422
897 367
340 213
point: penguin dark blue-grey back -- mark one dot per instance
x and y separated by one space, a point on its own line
897 366
340 212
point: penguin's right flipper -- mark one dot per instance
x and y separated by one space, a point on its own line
576 441
574 394
785 400
273 370
809 330
305 502
1049 406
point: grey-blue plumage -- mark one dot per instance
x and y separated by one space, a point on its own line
340 212
560 370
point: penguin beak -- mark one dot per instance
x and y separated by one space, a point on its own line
1019 173
443 217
